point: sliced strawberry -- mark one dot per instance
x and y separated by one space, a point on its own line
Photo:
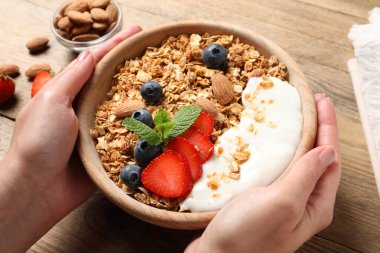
201 142
39 81
168 175
205 123
185 148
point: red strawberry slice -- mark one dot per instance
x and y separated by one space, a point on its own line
201 143
205 123
168 175
185 148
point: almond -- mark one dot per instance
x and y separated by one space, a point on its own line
37 68
77 5
258 72
99 26
64 24
111 13
79 17
207 106
222 88
37 44
64 34
80 29
110 28
99 4
86 37
98 14
9 69
127 108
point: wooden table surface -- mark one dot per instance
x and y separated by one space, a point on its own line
313 32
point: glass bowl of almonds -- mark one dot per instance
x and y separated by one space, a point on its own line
82 24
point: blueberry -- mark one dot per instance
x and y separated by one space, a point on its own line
215 57
151 91
144 152
131 175
144 116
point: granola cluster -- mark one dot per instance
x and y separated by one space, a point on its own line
178 67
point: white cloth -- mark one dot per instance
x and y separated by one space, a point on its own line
365 73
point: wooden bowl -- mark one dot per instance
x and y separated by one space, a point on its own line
94 93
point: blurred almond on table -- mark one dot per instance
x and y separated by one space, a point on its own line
37 44
9 70
37 68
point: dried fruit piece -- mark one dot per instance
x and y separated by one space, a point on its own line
79 17
127 108
207 106
37 68
222 88
86 37
168 175
39 81
9 70
99 15
37 44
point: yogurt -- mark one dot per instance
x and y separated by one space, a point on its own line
256 151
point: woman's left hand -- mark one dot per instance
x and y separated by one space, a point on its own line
39 157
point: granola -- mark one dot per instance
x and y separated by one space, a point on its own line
178 67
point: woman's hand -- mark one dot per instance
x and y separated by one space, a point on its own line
39 182
281 217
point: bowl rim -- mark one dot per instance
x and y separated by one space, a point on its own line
184 220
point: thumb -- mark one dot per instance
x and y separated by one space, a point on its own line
304 175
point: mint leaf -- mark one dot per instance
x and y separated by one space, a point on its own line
183 119
161 116
145 132
164 129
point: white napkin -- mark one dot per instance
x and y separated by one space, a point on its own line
365 74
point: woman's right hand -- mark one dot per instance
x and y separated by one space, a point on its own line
281 217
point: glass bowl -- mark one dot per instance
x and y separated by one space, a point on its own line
79 46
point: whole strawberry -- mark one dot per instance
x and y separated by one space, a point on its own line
7 88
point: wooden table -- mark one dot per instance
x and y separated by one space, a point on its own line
313 32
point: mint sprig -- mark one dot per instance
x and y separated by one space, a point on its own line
143 131
161 116
165 129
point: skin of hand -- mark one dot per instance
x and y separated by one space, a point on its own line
281 217
40 180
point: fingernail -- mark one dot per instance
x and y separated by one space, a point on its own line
327 156
320 96
83 55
